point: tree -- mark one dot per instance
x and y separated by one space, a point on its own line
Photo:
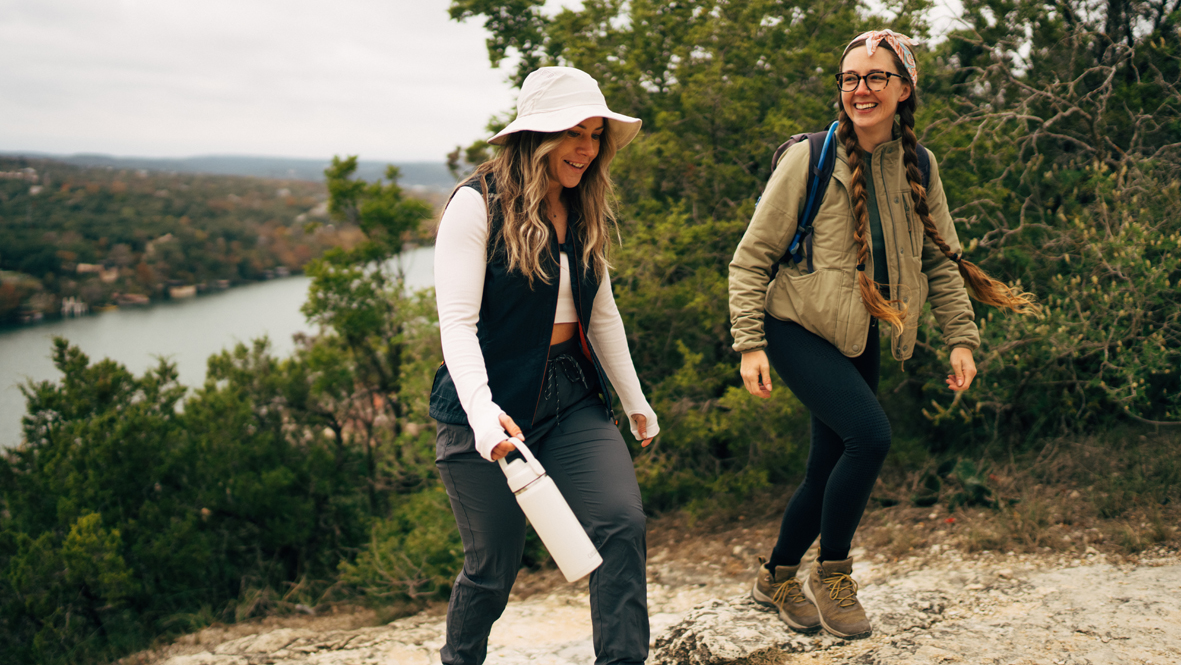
1062 123
132 512
719 85
126 518
1046 120
358 296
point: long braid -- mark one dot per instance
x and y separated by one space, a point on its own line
890 311
986 289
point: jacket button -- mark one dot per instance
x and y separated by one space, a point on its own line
905 298
856 347
895 199
904 349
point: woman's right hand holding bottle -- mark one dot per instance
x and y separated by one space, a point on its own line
756 373
505 447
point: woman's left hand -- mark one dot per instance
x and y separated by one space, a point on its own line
642 428
963 368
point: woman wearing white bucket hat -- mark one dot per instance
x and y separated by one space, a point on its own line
531 335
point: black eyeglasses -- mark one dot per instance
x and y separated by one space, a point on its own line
875 81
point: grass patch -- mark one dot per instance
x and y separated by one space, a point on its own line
1118 493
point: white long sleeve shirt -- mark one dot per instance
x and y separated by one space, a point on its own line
460 262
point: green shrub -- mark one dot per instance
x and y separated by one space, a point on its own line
719 450
414 553
67 599
1055 129
1073 191
126 518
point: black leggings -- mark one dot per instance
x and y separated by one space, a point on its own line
850 438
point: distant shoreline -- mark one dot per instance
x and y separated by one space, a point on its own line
432 176
154 302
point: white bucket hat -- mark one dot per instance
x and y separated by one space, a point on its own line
556 98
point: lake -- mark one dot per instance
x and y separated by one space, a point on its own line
186 332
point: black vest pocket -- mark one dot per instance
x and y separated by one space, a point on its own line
445 406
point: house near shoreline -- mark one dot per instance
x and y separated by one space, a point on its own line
150 246
72 306
105 274
178 292
131 300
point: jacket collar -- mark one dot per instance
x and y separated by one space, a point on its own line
841 171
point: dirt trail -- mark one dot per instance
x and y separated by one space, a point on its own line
931 608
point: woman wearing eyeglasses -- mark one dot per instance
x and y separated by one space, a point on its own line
882 246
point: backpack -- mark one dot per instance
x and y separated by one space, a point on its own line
822 159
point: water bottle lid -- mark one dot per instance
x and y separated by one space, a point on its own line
519 475
521 472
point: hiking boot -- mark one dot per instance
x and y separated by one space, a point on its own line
834 593
779 588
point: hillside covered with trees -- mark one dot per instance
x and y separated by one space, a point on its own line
102 236
134 510
415 175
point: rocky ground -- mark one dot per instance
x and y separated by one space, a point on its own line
930 606
1023 610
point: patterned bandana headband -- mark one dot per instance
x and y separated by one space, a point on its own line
900 43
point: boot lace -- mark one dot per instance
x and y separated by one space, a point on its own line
789 591
842 589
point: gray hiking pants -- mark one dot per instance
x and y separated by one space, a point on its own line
584 453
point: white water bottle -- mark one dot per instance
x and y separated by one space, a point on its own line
550 515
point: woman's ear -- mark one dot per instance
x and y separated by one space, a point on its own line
907 88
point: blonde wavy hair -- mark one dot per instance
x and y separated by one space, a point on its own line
521 178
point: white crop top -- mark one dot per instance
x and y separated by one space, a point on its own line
460 261
566 312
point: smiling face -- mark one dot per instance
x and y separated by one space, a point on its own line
873 112
569 161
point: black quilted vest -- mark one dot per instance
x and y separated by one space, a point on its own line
515 324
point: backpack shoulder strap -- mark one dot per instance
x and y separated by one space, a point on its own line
924 165
822 150
794 139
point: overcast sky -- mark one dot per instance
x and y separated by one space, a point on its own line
385 79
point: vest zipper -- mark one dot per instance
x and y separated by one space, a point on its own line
541 389
576 292
553 313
